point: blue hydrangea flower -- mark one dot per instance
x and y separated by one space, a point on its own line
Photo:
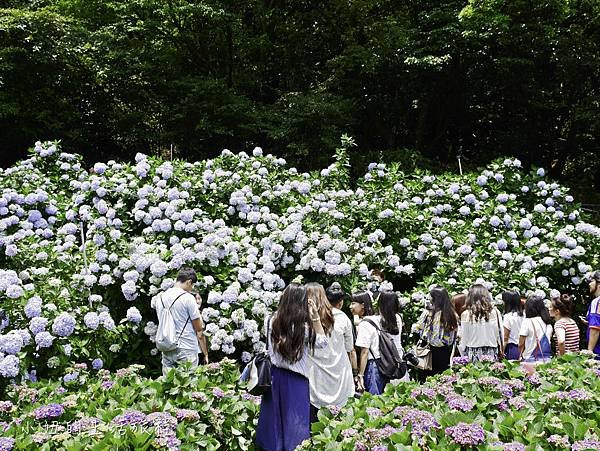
63 325
33 307
134 315
9 366
11 343
44 339
91 320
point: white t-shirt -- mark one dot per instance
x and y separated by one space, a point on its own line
343 326
512 322
527 331
368 337
183 310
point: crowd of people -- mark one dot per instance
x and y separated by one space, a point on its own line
321 357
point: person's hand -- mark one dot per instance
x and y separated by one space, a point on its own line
205 359
360 383
312 309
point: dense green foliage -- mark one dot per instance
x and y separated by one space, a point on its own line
481 78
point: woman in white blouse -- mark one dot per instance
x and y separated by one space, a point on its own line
480 332
294 330
330 371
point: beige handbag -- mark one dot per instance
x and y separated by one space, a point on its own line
423 351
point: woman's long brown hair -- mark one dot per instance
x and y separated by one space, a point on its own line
290 324
479 303
317 292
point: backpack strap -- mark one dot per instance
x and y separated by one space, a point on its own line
186 321
268 326
372 323
173 303
538 346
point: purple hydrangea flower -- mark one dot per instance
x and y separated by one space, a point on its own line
97 364
579 395
420 421
374 412
218 393
129 418
49 411
70 377
456 402
518 402
6 443
585 444
6 406
14 291
559 441
466 434
460 360
187 415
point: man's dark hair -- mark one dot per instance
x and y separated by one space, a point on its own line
335 293
186 274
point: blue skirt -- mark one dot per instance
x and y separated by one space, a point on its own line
375 382
284 420
512 352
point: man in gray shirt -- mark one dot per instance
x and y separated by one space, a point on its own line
188 322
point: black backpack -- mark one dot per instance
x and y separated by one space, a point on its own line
389 363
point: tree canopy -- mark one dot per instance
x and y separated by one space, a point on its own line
479 79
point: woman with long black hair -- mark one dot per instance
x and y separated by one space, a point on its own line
438 327
513 319
388 320
361 305
294 329
536 331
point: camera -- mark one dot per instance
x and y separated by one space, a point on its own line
411 359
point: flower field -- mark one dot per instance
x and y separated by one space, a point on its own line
494 406
82 250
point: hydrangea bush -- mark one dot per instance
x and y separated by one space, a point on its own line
204 409
496 406
82 250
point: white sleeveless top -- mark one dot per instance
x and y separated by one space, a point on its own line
330 371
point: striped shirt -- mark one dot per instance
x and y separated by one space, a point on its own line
567 332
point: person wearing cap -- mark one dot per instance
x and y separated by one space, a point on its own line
593 315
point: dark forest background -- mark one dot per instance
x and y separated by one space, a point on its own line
414 81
